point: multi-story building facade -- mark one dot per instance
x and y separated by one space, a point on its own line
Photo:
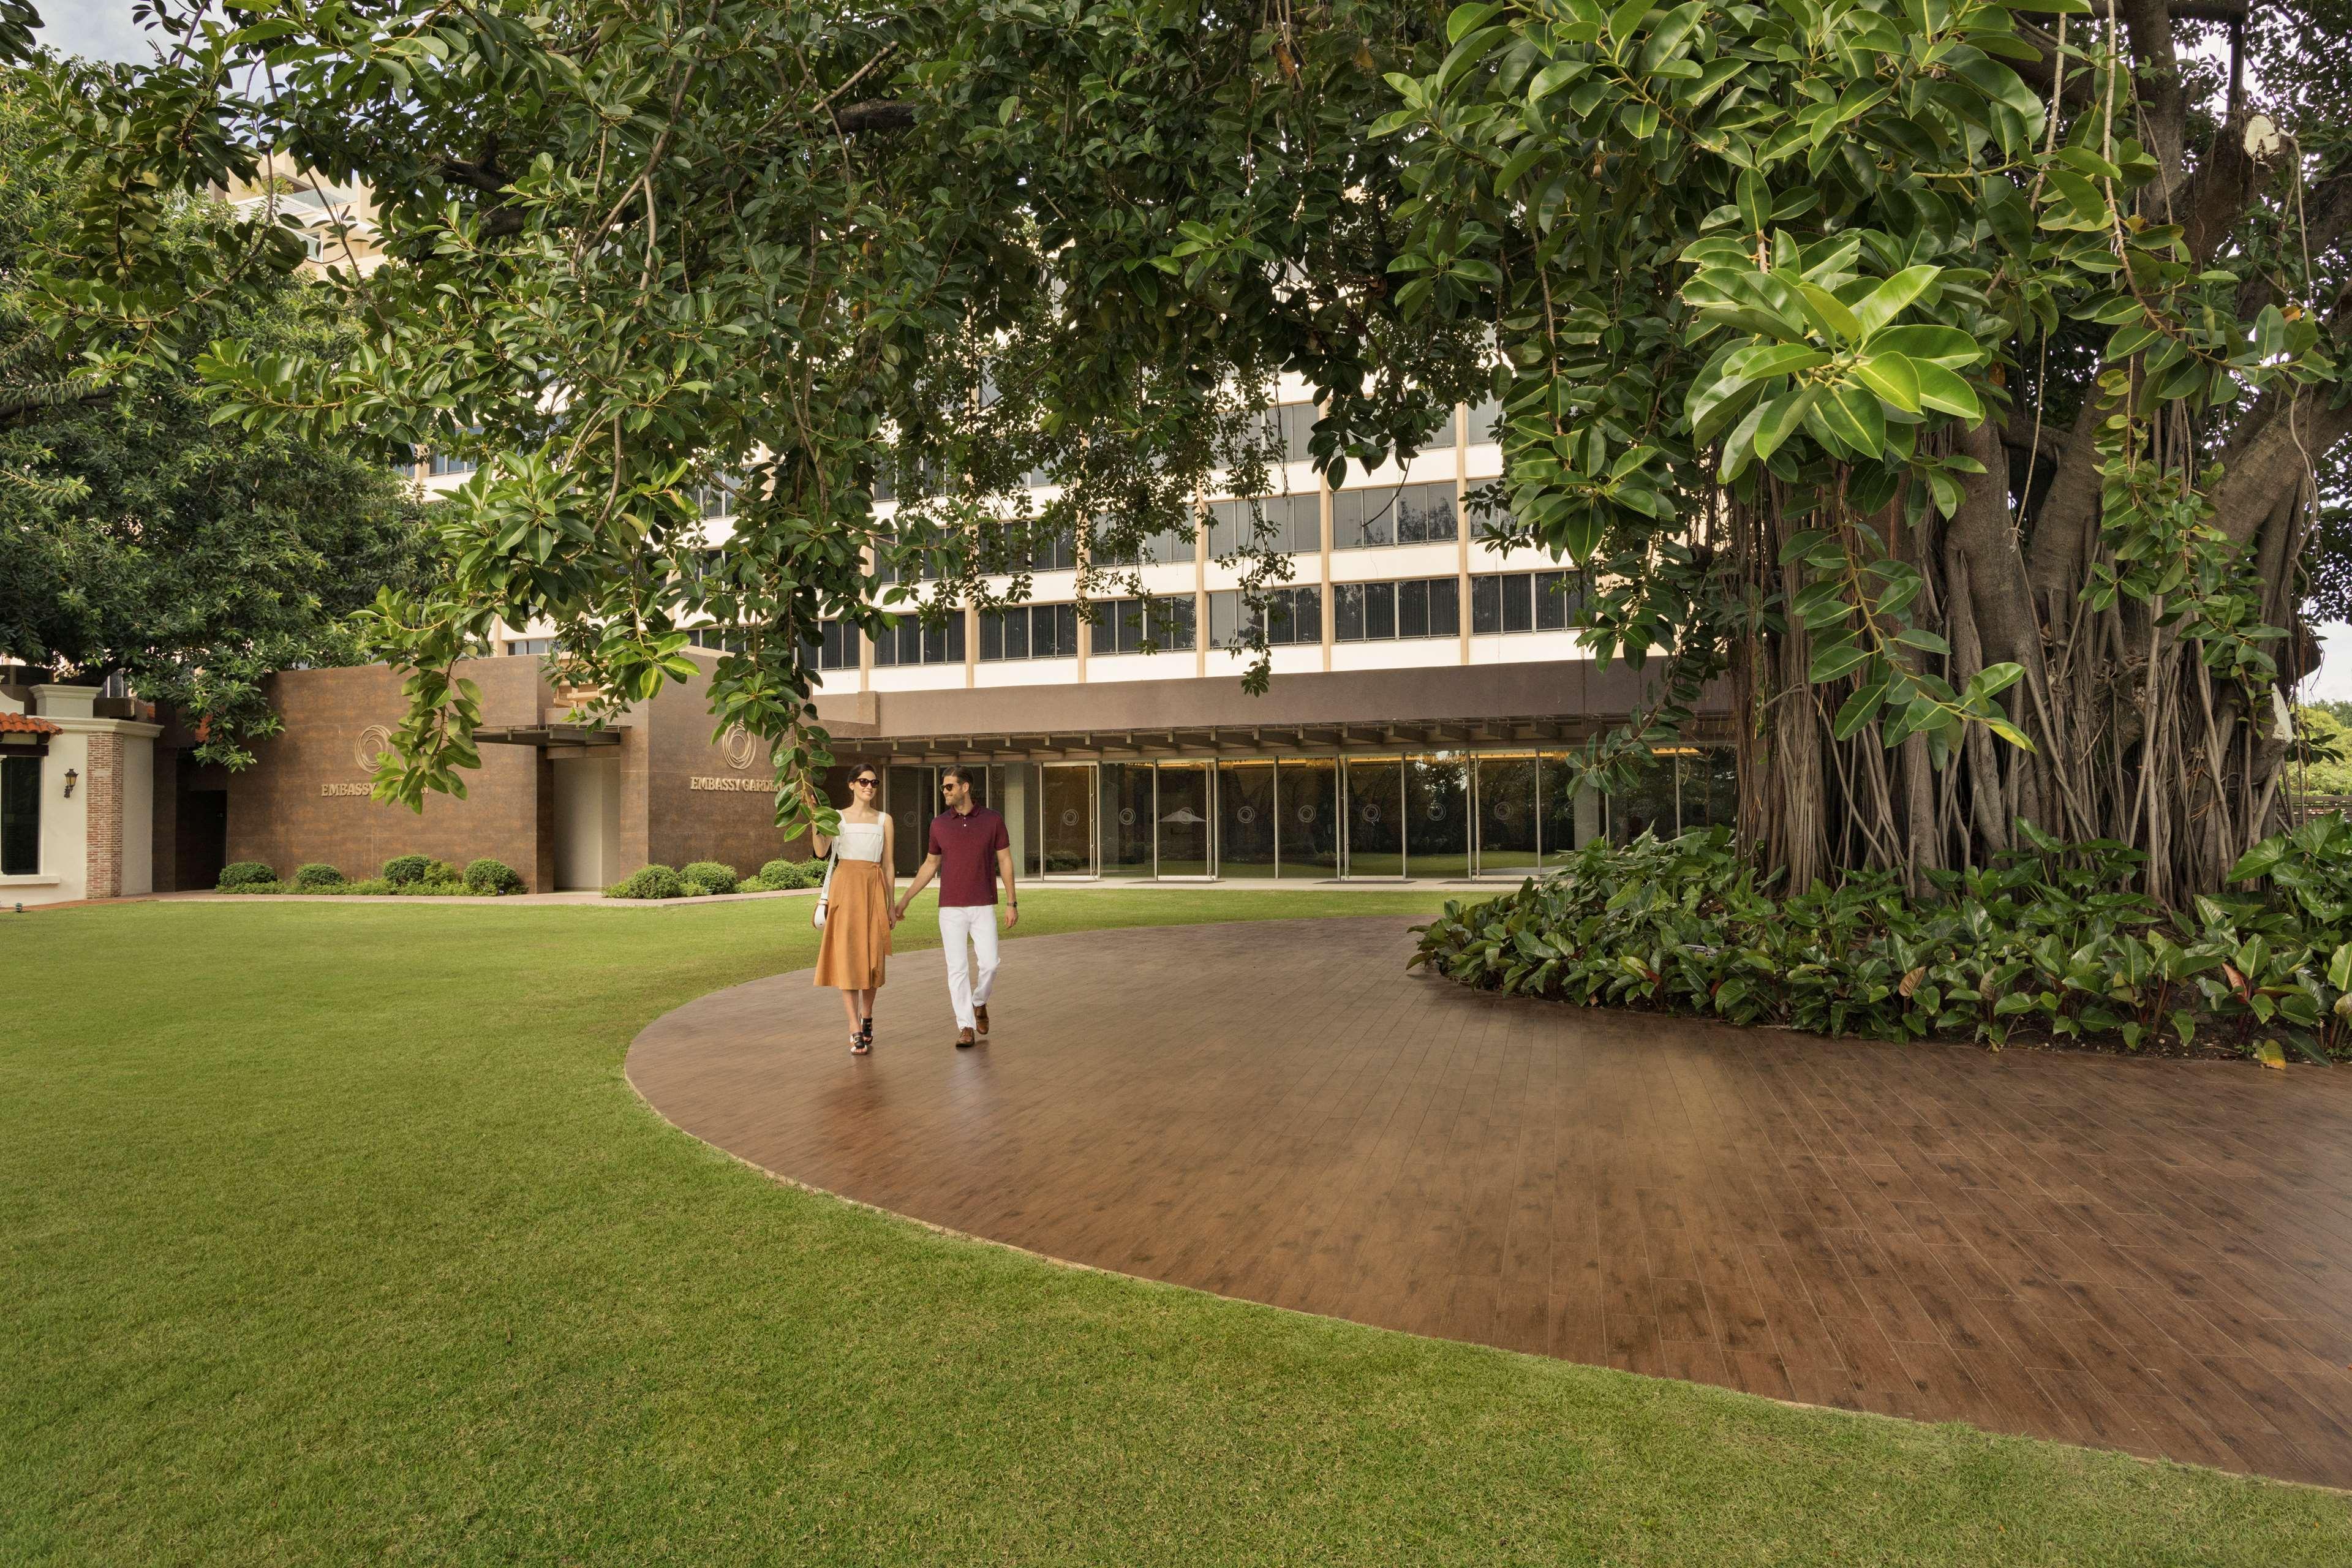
1426 690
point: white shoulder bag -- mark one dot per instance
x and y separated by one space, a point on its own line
825 891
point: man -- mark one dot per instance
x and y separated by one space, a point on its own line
970 849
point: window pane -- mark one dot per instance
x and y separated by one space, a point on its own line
1441 438
1173 621
1347 615
956 651
1380 609
1375 808
1306 612
1309 799
1065 631
992 632
1551 608
1018 642
885 649
1648 807
1125 819
1104 636
1506 815
20 817
935 645
1245 819
1412 609
1445 607
1437 814
1483 417
1184 819
1224 620
1378 526
1438 499
1710 790
1518 614
1305 514
1411 515
1486 605
1068 819
1131 626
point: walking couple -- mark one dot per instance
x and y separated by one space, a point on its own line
968 850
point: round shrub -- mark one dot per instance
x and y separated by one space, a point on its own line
315 875
493 877
713 876
653 883
441 874
244 873
403 869
793 873
697 890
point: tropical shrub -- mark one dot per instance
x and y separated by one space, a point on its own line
714 876
403 869
491 877
315 875
2047 941
244 873
651 882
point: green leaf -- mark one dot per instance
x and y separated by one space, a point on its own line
1463 18
1892 377
1941 390
1834 660
1888 300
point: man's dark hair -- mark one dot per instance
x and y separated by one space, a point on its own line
963 771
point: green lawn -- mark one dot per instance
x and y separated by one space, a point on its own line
332 1233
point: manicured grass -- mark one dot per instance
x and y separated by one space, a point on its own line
332 1233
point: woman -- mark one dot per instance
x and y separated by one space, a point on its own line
857 906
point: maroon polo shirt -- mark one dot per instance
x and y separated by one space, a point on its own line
967 846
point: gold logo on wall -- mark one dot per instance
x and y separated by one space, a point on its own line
374 741
738 748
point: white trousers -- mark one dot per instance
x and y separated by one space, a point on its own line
978 922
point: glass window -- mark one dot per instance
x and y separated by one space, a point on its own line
447 463
1485 606
1508 817
839 649
1525 601
1572 815
1126 626
1307 789
1184 817
1126 793
1375 839
1441 438
20 817
1292 427
1164 547
1392 514
911 642
1294 524
1066 818
1484 418
1556 601
1648 806
1416 608
1437 814
536 647
1247 821
1710 789
1518 603
1029 631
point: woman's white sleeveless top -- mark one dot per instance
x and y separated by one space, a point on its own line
861 841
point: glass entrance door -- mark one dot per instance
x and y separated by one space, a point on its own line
1067 792
1185 812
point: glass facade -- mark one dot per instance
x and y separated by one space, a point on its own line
1434 815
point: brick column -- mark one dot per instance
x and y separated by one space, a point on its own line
105 786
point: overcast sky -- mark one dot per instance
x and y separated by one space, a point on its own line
103 30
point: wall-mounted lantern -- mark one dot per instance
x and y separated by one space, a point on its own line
72 778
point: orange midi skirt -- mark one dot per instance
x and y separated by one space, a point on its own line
857 942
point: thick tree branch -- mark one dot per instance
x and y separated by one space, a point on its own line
875 114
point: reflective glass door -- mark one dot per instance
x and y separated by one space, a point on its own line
1066 795
1375 842
1437 813
1508 816
1309 790
1185 811
1246 819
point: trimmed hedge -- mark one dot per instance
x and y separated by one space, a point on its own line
712 875
403 869
651 882
315 875
2049 941
244 873
778 875
492 878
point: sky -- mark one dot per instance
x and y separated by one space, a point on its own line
102 29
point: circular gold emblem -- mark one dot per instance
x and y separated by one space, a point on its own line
738 748
374 741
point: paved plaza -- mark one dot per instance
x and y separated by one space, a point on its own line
2151 1255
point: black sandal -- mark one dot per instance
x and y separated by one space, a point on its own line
860 1046
865 1033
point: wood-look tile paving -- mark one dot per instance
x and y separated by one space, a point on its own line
2144 1255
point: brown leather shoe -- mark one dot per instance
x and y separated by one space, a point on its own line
965 1040
979 1016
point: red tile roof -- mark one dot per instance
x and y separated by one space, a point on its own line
27 725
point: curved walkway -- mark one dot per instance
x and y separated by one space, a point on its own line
2149 1255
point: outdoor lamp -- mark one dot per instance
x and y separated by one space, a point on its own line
71 778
